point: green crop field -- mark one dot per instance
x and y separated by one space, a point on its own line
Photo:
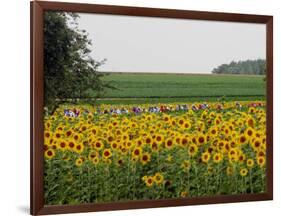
153 88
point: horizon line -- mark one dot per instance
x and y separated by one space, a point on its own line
178 73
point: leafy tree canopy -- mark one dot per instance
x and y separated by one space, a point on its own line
69 70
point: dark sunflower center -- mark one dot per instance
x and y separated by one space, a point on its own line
145 158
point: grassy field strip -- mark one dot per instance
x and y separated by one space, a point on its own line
183 86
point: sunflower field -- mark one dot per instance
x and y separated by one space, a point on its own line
101 157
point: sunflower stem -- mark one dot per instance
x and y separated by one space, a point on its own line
251 183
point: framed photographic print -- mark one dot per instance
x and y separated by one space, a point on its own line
142 107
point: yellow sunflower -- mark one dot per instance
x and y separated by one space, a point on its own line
159 139
149 181
217 157
205 157
249 132
95 160
145 158
201 139
184 141
158 178
242 139
136 153
78 162
79 148
98 145
62 145
192 150
243 172
71 145
106 153
261 161
169 143
186 165
250 163
49 154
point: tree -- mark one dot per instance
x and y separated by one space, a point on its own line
69 70
242 67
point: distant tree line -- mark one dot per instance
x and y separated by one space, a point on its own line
257 67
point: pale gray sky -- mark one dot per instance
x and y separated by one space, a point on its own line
146 44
